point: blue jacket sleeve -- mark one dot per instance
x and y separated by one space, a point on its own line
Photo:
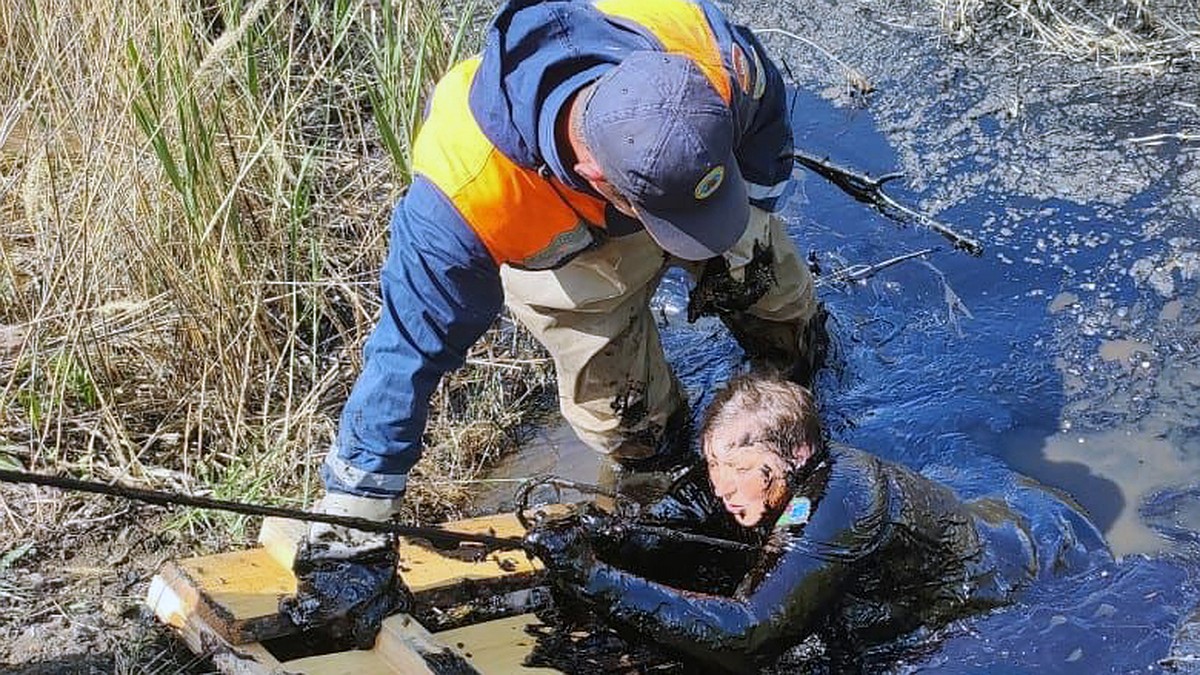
440 291
759 104
764 152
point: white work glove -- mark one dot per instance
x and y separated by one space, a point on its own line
344 577
336 541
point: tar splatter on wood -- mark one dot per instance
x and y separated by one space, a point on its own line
578 644
447 662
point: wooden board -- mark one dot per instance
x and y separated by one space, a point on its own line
174 603
425 568
422 566
226 605
450 588
403 646
454 588
235 594
496 647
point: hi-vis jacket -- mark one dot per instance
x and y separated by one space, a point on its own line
490 189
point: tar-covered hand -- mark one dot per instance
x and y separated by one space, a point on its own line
564 548
347 578
605 531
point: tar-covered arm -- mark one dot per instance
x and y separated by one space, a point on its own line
799 579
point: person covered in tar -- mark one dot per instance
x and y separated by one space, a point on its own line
843 545
590 146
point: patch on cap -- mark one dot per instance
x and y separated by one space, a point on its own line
796 513
709 184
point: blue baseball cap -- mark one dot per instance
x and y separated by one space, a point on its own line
664 138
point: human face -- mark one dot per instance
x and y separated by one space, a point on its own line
618 200
747 476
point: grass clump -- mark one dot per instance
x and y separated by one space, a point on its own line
194 197
1151 36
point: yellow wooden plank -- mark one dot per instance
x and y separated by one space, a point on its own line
237 594
468 584
353 662
245 584
408 648
279 537
424 567
172 598
403 646
497 647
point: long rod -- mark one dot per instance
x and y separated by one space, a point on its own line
679 535
435 535
870 191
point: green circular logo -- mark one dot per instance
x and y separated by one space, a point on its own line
709 184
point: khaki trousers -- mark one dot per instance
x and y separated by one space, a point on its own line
593 316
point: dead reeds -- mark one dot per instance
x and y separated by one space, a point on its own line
194 197
1149 36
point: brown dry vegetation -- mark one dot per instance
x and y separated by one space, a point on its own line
1146 36
194 197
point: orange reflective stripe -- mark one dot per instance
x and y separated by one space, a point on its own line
516 213
682 28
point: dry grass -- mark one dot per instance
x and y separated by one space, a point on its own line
194 197
1151 36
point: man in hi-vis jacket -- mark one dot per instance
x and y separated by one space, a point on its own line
590 146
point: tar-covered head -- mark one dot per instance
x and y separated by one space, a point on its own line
758 434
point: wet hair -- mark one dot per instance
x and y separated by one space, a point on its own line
788 412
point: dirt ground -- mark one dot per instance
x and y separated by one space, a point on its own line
73 580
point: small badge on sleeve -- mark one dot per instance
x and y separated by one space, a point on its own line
760 77
741 69
748 72
796 513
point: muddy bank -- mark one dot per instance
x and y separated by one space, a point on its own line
73 581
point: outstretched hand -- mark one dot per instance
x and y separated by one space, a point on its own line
346 578
604 531
358 588
564 548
